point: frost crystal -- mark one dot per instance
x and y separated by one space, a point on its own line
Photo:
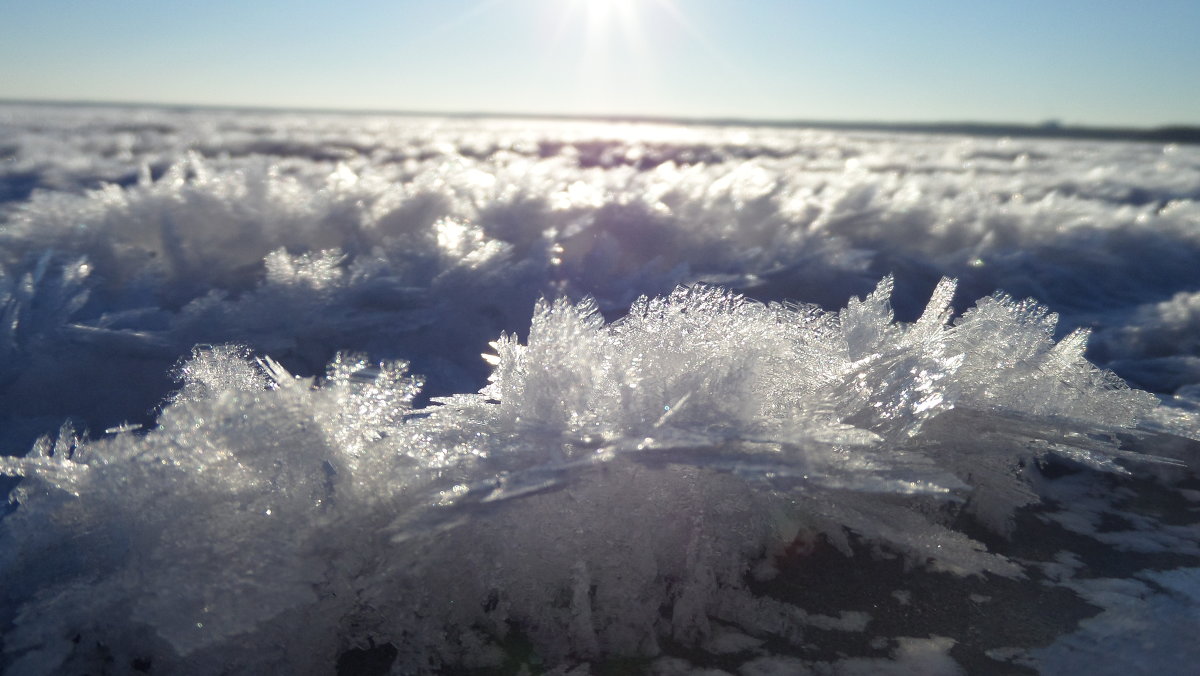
266 505
668 465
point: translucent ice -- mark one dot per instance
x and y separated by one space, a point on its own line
640 465
609 470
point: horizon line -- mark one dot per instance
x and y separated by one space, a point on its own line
1170 132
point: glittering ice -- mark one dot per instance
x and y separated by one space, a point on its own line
240 376
271 508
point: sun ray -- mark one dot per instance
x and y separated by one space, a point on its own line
452 23
620 48
685 22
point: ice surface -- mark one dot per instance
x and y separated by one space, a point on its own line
911 656
1147 627
754 348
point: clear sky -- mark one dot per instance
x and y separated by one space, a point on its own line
1089 62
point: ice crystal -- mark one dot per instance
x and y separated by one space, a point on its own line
264 504
657 440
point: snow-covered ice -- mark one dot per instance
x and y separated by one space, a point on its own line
300 393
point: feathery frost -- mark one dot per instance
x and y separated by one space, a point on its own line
240 380
609 473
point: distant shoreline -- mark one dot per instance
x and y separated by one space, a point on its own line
1174 133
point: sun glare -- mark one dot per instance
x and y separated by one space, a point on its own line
602 10
602 17
619 49
612 35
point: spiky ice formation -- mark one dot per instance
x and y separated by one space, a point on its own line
609 489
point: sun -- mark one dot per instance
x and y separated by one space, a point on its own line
603 10
618 50
602 17
621 22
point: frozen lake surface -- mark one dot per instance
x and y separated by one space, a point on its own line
317 393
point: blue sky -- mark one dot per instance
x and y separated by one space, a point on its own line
1095 62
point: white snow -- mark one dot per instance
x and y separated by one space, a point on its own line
750 344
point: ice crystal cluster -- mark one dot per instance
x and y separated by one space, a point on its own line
242 382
